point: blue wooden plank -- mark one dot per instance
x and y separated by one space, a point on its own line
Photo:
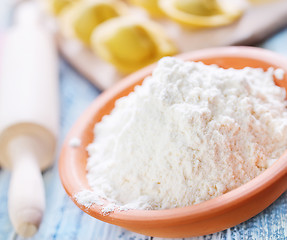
5 225
277 43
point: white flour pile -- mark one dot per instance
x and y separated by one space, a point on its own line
190 133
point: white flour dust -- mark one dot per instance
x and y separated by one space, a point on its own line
190 133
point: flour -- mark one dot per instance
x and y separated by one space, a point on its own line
190 133
75 142
279 73
87 198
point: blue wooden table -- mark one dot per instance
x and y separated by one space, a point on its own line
64 221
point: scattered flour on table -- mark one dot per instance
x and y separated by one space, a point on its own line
190 133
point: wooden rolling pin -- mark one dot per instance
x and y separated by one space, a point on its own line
28 115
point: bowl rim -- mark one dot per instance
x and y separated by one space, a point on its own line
195 212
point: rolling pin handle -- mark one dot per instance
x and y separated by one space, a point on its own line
26 193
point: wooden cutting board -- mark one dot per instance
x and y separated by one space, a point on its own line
258 22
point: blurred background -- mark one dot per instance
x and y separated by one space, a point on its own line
66 52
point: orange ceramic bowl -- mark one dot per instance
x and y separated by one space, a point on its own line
208 217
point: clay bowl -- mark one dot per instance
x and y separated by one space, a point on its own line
208 217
